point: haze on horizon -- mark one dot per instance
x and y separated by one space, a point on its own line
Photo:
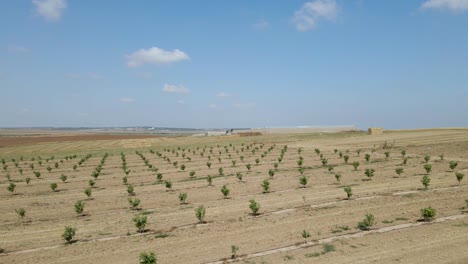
214 64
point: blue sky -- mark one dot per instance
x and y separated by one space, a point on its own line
394 64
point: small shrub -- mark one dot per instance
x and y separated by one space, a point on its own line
11 187
79 207
348 191
459 176
125 180
303 181
403 153
369 173
301 170
134 203
91 183
140 222
356 165
63 178
266 186
426 180
209 179
367 222
147 258
428 168
428 213
182 198
367 157
233 163
192 174
168 185
21 212
182 167
399 171
346 158
225 191
234 250
248 166
53 186
254 207
28 180
441 156
69 234
159 177
427 158
405 160
453 165
338 177
271 173
37 174
200 214
387 154
130 190
88 192
239 176
305 234
221 171
327 248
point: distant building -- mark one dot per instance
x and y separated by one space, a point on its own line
375 131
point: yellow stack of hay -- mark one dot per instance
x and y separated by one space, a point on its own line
375 131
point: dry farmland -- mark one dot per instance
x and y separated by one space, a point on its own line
312 222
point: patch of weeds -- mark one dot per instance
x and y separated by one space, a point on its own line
161 235
312 255
387 221
408 195
288 257
461 224
339 229
401 219
146 213
104 233
328 248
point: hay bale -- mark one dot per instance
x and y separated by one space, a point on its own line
375 131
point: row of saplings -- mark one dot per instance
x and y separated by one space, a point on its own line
140 221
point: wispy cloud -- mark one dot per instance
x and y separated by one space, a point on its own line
170 88
127 100
155 56
244 105
261 25
180 101
311 13
452 5
51 10
223 94
212 106
17 49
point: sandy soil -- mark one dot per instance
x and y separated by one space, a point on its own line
106 234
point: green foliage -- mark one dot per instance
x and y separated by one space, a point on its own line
428 213
182 167
399 171
266 186
49 169
428 168
221 171
28 180
79 207
254 207
459 176
338 177
427 158
305 234
233 163
441 156
37 174
257 161
21 212
131 190
403 153
53 186
346 158
168 185
140 222
356 165
11 187
369 173
248 166
182 198
209 179
367 157
125 180
234 250
405 160
63 177
303 181
88 192
387 154
69 234
367 222
300 162
147 258
239 176
200 212
348 191
271 173
426 180
225 191
91 183
192 173
453 164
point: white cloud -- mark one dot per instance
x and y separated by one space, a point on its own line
452 5
170 88
156 56
50 9
310 13
17 49
223 94
127 100
212 106
180 101
261 25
